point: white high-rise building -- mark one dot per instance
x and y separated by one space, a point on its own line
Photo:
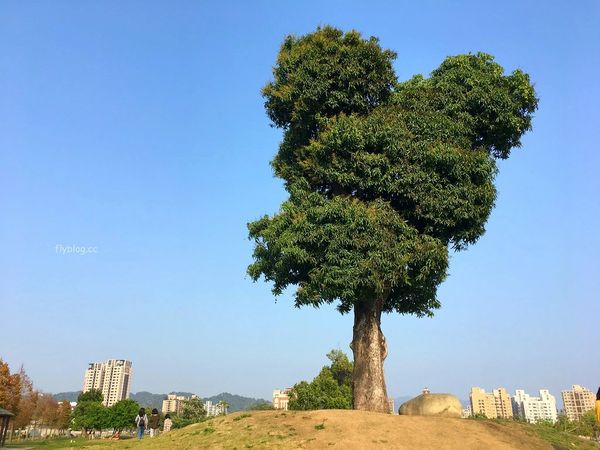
216 409
112 378
534 409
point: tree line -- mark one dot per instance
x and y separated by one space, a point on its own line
34 410
31 408
91 415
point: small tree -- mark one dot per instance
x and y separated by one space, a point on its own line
330 389
27 406
193 410
586 424
11 385
46 411
261 406
64 415
122 415
341 367
90 415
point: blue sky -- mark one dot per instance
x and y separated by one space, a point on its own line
138 128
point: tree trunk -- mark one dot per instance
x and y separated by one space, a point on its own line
370 350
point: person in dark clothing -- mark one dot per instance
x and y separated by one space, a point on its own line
154 423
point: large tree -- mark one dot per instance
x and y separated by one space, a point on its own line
384 179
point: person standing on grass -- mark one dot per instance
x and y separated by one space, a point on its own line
597 427
154 423
167 424
141 422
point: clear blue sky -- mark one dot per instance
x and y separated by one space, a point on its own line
138 128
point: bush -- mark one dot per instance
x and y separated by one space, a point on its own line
261 406
331 388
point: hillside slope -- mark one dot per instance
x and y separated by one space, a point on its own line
344 430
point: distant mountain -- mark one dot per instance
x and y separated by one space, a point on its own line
236 402
68 396
150 400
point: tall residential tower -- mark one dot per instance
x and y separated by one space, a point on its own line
491 405
112 378
578 401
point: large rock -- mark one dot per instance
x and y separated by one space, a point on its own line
443 405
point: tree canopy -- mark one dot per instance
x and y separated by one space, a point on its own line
384 176
193 410
93 395
122 414
90 415
11 385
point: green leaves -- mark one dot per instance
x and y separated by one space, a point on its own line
330 389
122 414
91 414
93 395
344 249
325 73
383 176
193 410
492 110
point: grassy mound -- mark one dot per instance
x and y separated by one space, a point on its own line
345 429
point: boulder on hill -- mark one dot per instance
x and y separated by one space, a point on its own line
443 405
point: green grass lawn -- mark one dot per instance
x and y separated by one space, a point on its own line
561 439
63 443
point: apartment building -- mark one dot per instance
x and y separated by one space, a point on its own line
496 404
281 398
214 409
467 412
112 378
174 403
502 403
535 409
578 401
